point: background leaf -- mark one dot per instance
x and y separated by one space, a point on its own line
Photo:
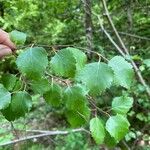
147 62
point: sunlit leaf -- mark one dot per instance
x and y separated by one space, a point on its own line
97 130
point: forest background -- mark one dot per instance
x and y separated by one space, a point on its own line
85 25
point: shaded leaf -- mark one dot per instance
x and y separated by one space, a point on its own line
54 95
8 113
18 86
9 81
20 104
74 98
5 97
110 141
78 118
40 86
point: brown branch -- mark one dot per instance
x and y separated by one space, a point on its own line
126 145
15 131
137 71
92 101
64 46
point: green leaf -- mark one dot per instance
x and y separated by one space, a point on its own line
97 130
78 118
20 104
96 76
75 98
8 113
117 126
33 62
110 141
147 62
63 63
121 105
78 112
9 81
18 86
18 37
40 86
5 97
85 91
54 96
79 56
123 71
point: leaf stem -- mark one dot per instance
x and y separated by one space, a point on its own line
100 110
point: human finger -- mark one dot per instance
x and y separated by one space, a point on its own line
4 50
5 39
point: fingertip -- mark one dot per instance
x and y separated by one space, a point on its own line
5 40
10 44
4 50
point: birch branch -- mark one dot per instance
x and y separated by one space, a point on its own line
43 134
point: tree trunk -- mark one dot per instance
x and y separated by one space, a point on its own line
88 25
2 9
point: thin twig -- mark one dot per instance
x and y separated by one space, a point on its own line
132 35
125 144
15 131
64 46
128 34
100 110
